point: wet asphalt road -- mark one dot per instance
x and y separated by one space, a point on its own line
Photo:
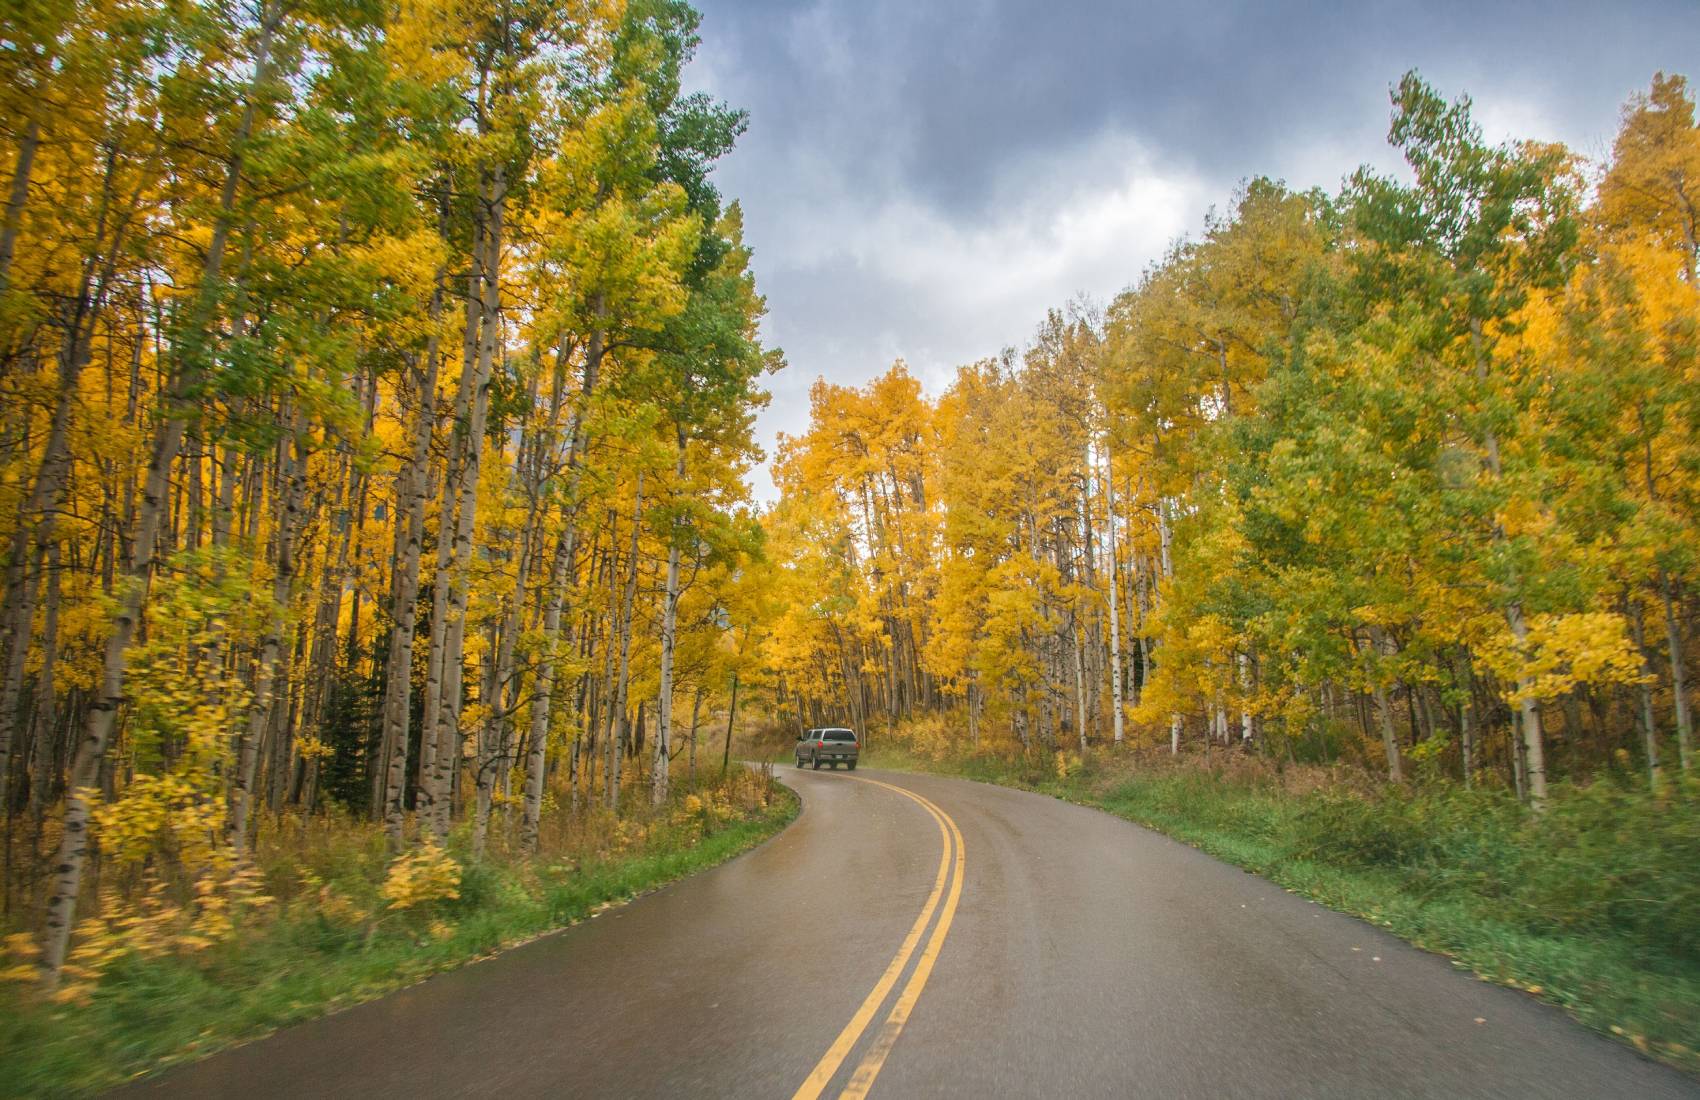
1084 956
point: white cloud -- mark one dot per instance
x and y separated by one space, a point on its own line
924 184
973 288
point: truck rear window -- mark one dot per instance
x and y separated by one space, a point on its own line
838 735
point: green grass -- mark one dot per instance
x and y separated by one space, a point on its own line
147 1014
1593 906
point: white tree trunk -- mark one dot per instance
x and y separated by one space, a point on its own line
413 491
617 729
1534 747
1389 740
560 576
447 752
293 478
1117 696
429 719
1080 689
669 638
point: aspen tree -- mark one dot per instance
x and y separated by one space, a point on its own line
189 371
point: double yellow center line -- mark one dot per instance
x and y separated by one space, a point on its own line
951 870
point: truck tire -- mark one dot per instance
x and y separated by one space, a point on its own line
817 763
851 765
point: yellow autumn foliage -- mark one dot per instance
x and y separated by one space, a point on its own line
1562 652
421 878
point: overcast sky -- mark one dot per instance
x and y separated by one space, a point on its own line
923 180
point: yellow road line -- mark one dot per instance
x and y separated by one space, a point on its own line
841 1047
874 1060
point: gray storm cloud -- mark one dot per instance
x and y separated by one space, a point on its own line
924 180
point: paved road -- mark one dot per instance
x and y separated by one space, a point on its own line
954 940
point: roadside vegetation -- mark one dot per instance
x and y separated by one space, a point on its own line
330 918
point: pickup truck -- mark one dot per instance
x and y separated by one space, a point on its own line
828 746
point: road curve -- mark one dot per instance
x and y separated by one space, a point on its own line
920 936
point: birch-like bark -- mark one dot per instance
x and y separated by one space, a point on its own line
1080 688
495 739
560 575
426 777
1117 718
1518 779
1164 540
496 746
1165 537
150 517
413 490
294 479
1389 740
669 636
616 740
1534 746
543 697
447 732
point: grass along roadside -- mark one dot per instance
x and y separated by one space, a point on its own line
329 950
1592 909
